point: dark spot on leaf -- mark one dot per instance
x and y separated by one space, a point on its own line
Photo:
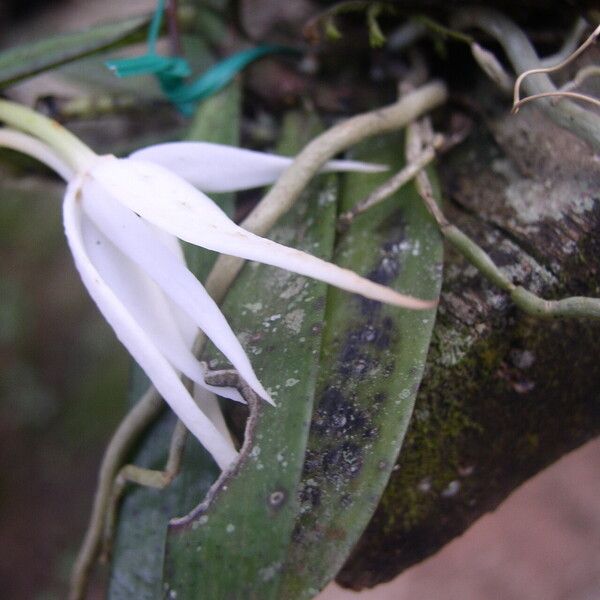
319 303
386 271
389 368
370 433
335 416
342 462
312 462
346 501
316 328
310 494
277 498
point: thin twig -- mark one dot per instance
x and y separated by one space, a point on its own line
590 40
557 94
584 123
388 188
439 143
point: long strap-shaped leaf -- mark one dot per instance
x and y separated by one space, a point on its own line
268 534
235 547
29 59
370 370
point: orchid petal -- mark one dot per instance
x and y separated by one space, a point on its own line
185 323
137 240
171 203
135 339
142 297
147 305
209 404
220 168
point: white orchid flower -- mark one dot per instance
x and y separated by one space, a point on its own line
123 218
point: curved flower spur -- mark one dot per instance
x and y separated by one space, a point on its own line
122 218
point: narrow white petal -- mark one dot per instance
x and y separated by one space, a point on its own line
146 303
140 345
169 202
252 247
219 168
136 239
171 328
210 407
185 323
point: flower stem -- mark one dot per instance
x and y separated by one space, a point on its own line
21 142
69 147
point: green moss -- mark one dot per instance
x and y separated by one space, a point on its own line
480 428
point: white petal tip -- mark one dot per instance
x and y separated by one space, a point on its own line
268 399
355 166
371 168
409 302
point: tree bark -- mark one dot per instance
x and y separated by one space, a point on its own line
504 394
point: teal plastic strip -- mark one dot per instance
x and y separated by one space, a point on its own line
172 71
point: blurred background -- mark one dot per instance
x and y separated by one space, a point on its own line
63 384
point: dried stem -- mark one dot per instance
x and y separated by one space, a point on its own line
590 40
557 94
439 143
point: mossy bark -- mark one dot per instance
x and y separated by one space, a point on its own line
504 394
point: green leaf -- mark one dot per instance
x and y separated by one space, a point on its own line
371 366
30 59
139 545
235 547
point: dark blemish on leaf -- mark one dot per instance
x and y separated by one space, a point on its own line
386 271
355 364
343 425
255 338
389 368
316 328
379 398
368 333
371 433
277 498
346 501
310 494
312 462
342 462
319 303
368 308
335 416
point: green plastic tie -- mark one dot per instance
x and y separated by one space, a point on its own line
172 71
